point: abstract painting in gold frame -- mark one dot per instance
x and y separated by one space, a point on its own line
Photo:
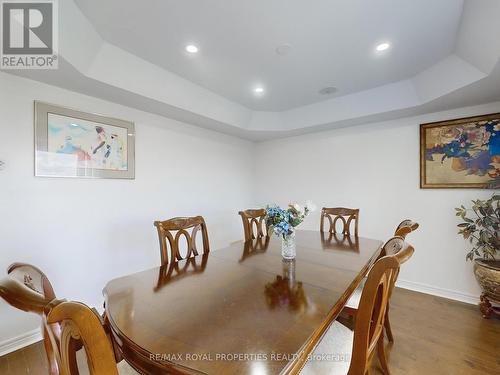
462 153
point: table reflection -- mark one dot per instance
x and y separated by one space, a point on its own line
339 241
177 270
254 247
285 291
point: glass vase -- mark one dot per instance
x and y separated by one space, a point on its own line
289 272
288 249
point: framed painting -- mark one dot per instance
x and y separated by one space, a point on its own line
463 153
72 143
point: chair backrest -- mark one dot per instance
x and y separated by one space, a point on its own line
405 227
170 231
79 322
345 215
27 288
373 304
254 223
396 246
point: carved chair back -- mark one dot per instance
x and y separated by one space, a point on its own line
369 326
405 227
27 288
396 246
254 223
170 232
346 216
79 322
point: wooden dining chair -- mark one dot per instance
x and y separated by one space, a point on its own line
391 247
406 227
170 231
79 322
347 216
27 288
342 351
254 223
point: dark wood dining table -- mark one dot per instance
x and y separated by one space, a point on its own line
236 310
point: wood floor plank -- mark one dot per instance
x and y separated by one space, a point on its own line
17 363
438 336
432 336
4 365
34 360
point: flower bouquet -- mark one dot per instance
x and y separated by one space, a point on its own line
282 222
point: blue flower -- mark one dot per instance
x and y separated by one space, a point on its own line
283 221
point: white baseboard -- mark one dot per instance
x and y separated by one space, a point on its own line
439 292
20 341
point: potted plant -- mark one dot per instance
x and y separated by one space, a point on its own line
481 226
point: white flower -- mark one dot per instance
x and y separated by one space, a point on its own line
297 207
310 206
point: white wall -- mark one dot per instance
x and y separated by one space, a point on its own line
376 167
83 233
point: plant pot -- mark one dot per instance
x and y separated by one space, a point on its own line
487 274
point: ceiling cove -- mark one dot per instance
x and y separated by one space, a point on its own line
265 70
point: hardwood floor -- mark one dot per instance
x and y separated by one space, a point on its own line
432 336
29 360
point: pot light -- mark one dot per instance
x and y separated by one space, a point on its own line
191 48
258 90
328 90
382 47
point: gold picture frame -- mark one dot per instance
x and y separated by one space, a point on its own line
461 153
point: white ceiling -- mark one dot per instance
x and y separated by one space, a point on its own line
332 42
445 54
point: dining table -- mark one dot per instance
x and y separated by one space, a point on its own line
242 309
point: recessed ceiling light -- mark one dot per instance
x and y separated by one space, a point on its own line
328 90
258 90
191 48
383 46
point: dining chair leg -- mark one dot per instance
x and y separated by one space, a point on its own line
387 325
72 361
381 355
53 367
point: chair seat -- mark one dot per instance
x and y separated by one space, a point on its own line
353 302
332 356
125 369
